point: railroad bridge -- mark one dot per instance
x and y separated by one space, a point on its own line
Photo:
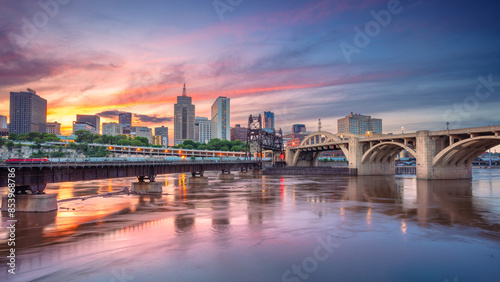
443 154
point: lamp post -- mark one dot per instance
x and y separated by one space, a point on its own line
402 130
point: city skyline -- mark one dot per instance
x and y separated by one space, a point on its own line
297 44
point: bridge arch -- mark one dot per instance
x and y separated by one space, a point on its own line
385 152
317 138
465 151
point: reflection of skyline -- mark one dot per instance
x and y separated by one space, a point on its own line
219 213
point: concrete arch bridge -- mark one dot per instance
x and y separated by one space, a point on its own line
443 154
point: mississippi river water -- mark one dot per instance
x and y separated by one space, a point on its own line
290 228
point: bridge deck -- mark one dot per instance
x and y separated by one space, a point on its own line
38 173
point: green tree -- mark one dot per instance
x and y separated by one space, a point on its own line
143 140
224 148
84 136
13 136
136 142
124 142
10 145
236 148
34 135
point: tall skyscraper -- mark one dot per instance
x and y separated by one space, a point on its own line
53 128
221 118
92 119
28 112
203 129
359 124
298 128
269 120
3 121
125 119
163 133
183 118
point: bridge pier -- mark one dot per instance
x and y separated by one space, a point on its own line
384 166
226 175
146 187
245 173
197 178
32 203
427 149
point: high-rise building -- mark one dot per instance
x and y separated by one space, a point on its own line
359 124
239 133
163 133
221 119
53 128
28 112
112 129
83 125
269 120
125 119
3 121
203 129
92 119
183 118
143 131
298 128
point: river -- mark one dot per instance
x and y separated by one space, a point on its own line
290 228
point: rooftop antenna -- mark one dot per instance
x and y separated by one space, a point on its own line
319 125
184 90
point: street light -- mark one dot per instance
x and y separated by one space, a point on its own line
402 130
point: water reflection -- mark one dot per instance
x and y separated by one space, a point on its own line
240 215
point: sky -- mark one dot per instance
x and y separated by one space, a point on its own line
414 64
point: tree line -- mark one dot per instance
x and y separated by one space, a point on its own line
214 144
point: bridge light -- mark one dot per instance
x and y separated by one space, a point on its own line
183 157
111 148
138 149
166 151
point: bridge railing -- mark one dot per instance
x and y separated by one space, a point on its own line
80 162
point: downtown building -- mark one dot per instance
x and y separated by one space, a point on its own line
83 125
298 128
4 130
161 136
269 120
125 119
183 118
359 124
28 112
112 129
239 133
202 130
221 118
53 128
92 119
